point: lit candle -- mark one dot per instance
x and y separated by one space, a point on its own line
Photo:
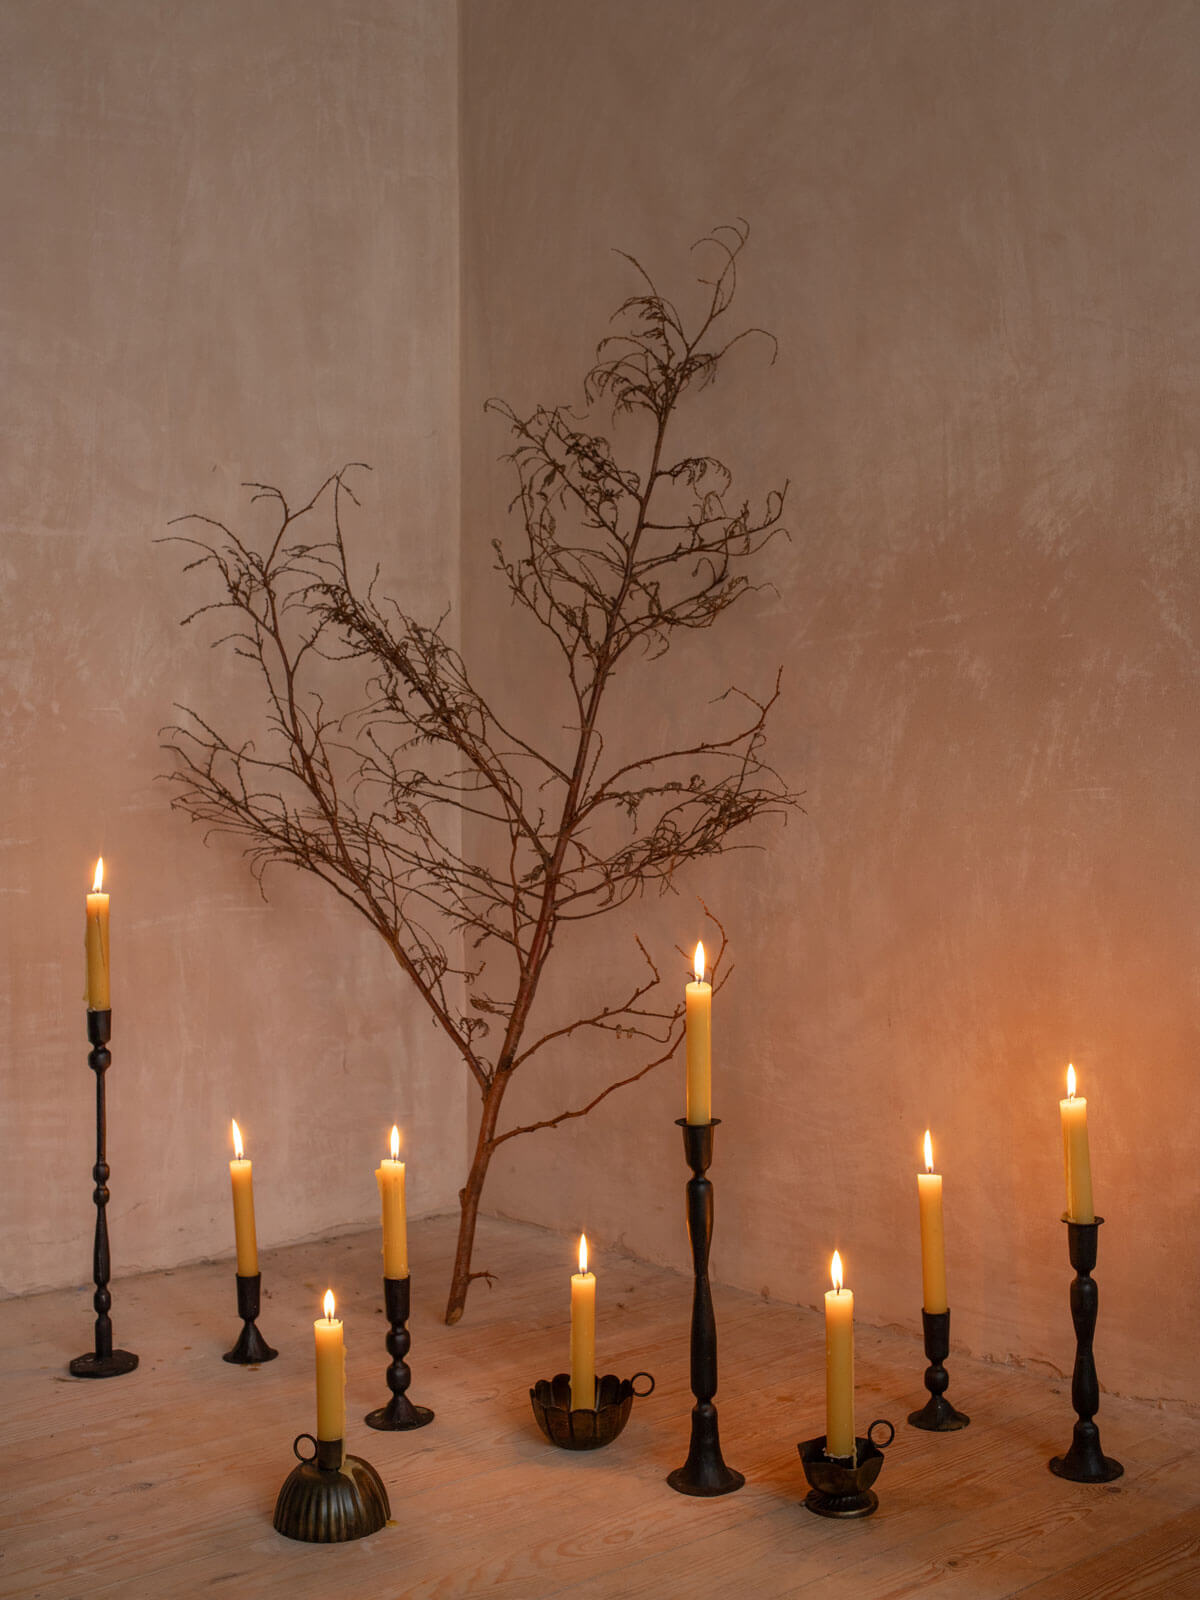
1076 1156
933 1240
331 1373
389 1175
583 1334
698 999
96 942
241 1173
839 1365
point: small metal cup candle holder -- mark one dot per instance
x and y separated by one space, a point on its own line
399 1414
585 1428
103 1361
704 1472
840 1486
330 1497
1085 1462
251 1348
937 1415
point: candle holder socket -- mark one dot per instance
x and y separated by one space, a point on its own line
400 1414
103 1361
251 1349
582 1428
937 1415
840 1486
1085 1462
330 1497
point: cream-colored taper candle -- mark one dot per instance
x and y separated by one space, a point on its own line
96 944
698 1000
933 1239
389 1175
839 1365
1076 1156
241 1173
331 1373
583 1334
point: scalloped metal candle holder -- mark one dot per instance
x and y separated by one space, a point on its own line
841 1487
584 1429
330 1497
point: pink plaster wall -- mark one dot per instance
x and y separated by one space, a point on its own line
230 251
975 232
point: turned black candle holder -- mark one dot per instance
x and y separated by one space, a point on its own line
330 1497
399 1414
103 1361
704 1472
840 1486
251 1348
1085 1462
937 1415
585 1427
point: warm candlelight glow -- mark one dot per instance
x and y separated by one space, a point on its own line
98 880
395 1142
698 963
330 1305
928 1152
583 1252
835 1272
237 1139
1070 1082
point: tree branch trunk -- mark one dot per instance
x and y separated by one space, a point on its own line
468 1196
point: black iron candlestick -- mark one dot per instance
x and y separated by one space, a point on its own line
399 1414
937 1415
103 1361
704 1472
1085 1462
330 1497
251 1348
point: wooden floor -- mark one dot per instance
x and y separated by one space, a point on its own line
161 1484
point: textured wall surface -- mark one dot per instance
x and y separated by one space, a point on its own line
975 233
231 237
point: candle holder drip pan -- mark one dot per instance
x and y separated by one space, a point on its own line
841 1486
584 1429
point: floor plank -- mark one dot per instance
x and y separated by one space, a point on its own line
162 1483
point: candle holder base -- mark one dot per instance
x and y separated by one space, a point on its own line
330 1497
937 1415
582 1428
1085 1462
840 1486
109 1366
251 1349
400 1415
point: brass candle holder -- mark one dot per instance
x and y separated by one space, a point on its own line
585 1427
330 1497
840 1486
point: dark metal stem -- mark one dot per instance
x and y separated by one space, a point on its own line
704 1472
1085 1462
937 1415
400 1414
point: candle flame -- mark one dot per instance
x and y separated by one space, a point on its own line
835 1272
928 1152
237 1139
98 880
583 1252
330 1304
1070 1082
698 963
395 1142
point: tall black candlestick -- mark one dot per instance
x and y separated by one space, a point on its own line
1085 1462
704 1472
103 1361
